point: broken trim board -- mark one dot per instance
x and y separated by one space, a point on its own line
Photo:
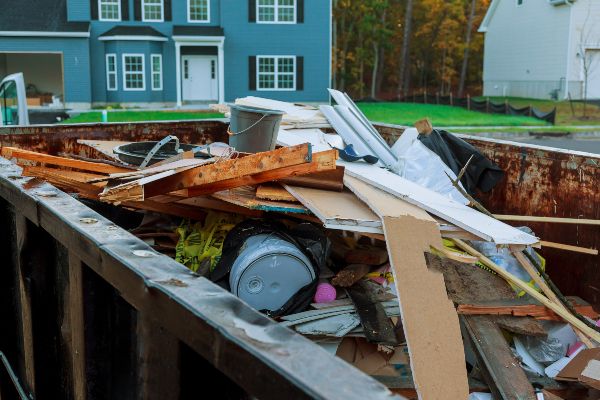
467 218
245 196
342 211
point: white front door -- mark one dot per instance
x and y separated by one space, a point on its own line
593 81
200 78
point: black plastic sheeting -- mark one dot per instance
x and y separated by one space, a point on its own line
481 173
484 106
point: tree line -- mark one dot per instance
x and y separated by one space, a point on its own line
387 49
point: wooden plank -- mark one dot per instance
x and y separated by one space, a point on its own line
65 181
531 291
76 328
501 370
521 310
326 180
555 220
439 371
245 197
377 326
338 210
274 193
568 247
178 210
13 152
158 360
210 203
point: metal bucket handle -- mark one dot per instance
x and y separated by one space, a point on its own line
158 146
230 133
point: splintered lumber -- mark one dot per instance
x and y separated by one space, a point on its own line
69 181
321 161
326 180
210 203
522 310
524 218
377 326
274 193
568 247
180 165
338 210
429 319
245 197
570 318
224 170
13 152
350 275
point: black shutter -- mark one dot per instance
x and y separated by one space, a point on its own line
124 10
168 10
94 9
300 11
252 72
299 73
137 10
251 10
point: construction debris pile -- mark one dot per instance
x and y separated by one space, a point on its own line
380 254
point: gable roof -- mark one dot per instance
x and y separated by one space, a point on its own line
488 16
127 30
39 16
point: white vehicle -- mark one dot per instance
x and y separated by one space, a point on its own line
13 101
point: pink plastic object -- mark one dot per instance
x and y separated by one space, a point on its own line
325 293
574 348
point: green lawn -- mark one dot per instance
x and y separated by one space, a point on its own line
134 116
440 116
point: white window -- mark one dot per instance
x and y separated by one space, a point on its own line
109 10
152 10
111 72
198 10
276 72
276 11
133 72
157 79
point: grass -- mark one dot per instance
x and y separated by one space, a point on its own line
135 116
440 116
565 115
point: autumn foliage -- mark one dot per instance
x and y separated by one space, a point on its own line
389 48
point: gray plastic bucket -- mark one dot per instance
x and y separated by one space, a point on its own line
253 130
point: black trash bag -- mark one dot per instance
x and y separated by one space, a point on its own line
307 237
481 174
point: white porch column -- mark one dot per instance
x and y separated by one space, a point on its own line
178 72
221 62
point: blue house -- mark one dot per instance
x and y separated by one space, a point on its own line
80 53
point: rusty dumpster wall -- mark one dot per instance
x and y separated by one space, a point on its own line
89 311
551 183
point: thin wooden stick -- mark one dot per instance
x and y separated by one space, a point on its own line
568 247
529 290
526 218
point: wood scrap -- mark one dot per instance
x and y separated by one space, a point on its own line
13 152
521 310
179 166
245 196
371 256
326 180
568 247
274 192
378 327
424 126
350 275
66 180
555 220
104 147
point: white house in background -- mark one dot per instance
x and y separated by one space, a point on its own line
542 48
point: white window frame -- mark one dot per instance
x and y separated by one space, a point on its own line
197 21
162 12
153 72
276 10
109 73
276 74
143 72
119 5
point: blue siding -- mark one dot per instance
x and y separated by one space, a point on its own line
78 10
76 61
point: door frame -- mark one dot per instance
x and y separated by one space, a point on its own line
207 57
212 41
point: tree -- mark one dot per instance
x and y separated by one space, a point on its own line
465 62
402 74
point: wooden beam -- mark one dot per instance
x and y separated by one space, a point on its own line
568 247
524 218
522 310
531 291
13 152
76 321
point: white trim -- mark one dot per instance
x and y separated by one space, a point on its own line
189 20
275 74
109 19
115 73
162 11
45 34
331 47
276 15
134 38
143 72
200 40
488 16
152 72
